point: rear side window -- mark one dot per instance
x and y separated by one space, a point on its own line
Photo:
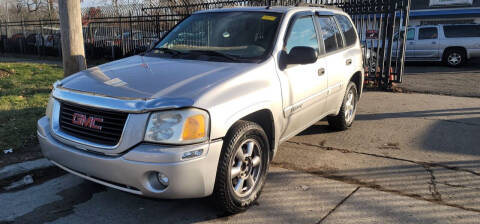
331 35
462 31
427 33
302 33
347 28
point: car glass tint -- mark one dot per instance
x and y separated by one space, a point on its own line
453 31
302 33
330 34
428 33
411 34
347 29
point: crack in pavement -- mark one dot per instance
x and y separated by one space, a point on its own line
459 186
432 187
429 164
371 185
348 179
338 205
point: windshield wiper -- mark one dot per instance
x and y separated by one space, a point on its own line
215 53
167 50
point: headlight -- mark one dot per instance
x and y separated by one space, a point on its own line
178 126
48 113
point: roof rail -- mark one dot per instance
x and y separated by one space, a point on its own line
304 4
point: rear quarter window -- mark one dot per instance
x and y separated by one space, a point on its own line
331 35
462 31
347 28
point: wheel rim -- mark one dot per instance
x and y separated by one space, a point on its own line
246 168
454 58
350 106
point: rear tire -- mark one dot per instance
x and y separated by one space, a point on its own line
346 116
242 167
454 57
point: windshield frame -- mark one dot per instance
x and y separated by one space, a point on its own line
259 59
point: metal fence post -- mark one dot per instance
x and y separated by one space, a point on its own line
22 39
122 44
42 52
130 37
1 38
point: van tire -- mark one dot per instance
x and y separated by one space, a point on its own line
343 121
225 197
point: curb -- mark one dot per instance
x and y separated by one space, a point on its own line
24 167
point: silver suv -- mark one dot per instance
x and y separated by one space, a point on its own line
204 111
451 44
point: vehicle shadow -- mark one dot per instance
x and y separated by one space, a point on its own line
282 201
418 68
452 131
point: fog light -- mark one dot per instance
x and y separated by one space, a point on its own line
163 179
192 154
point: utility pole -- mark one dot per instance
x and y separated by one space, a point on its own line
73 51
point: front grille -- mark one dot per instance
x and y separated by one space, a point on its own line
111 127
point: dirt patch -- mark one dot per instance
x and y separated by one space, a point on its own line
20 155
4 73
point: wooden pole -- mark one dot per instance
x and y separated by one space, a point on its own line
73 51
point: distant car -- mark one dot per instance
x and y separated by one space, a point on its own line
451 44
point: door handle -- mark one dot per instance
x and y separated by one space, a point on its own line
321 72
348 62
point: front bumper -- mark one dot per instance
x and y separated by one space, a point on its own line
133 171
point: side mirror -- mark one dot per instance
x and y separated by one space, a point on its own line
301 55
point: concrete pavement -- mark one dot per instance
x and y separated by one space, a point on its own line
409 158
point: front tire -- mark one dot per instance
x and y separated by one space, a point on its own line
346 116
242 167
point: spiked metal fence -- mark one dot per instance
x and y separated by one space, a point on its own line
115 32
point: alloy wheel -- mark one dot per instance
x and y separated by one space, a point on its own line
350 107
454 59
246 167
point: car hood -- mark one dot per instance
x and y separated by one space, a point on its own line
141 77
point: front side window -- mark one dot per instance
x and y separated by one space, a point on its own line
331 35
302 33
428 33
411 34
232 35
347 29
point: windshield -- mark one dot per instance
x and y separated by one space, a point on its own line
222 36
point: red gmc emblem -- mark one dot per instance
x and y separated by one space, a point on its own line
90 122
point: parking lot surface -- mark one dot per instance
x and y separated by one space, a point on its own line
409 158
436 78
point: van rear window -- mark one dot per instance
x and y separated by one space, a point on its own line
462 31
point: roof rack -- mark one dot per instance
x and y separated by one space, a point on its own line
304 4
